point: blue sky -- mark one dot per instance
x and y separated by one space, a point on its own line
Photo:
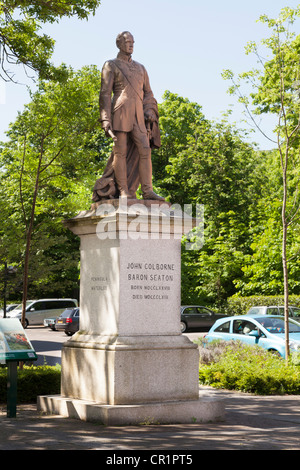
184 44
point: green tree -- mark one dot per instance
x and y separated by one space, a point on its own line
50 157
208 163
263 267
20 41
276 92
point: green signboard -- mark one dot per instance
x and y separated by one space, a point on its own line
14 344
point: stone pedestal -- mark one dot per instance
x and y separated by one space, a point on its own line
129 362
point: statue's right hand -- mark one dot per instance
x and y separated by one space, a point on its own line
106 126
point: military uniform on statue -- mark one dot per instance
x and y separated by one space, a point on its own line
131 119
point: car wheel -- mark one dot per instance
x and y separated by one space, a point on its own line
26 323
182 326
68 333
275 352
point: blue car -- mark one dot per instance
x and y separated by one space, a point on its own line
267 331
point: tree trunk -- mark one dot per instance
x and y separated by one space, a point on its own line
284 259
28 241
286 292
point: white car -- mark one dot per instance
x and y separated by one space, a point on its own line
38 310
294 312
9 307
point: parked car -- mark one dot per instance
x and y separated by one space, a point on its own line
294 312
18 309
38 310
8 309
197 318
68 321
50 322
265 331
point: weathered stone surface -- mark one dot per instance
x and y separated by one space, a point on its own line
129 358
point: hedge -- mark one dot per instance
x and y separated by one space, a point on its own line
233 365
223 364
32 381
240 305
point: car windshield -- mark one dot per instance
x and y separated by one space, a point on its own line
296 312
276 325
19 307
255 310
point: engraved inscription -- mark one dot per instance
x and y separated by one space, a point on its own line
151 280
99 283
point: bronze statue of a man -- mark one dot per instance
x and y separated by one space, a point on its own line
130 117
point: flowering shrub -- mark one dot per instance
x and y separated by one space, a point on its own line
236 366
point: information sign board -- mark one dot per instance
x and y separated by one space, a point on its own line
14 344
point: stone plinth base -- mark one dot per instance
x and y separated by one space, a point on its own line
203 410
129 362
130 369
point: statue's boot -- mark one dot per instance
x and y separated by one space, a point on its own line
145 173
120 170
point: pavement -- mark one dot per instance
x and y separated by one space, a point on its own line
251 423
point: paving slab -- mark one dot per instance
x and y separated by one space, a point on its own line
251 423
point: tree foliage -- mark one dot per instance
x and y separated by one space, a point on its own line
209 163
21 40
49 166
276 92
57 138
